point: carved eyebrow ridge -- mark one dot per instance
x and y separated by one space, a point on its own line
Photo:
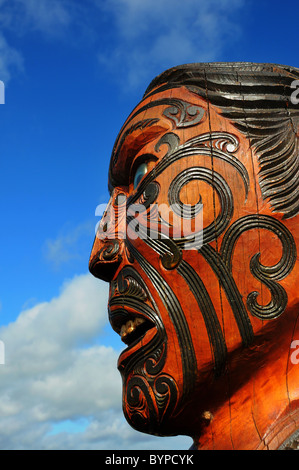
146 122
139 125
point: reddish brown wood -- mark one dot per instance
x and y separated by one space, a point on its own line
210 330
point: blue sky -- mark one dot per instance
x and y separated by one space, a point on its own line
73 70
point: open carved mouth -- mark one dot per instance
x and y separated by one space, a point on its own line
130 327
134 317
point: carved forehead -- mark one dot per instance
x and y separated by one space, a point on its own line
256 99
173 108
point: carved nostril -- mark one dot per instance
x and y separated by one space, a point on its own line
109 251
105 262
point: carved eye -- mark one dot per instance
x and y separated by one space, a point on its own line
139 174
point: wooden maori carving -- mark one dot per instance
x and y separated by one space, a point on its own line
199 243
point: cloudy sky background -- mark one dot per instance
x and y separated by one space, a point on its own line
73 70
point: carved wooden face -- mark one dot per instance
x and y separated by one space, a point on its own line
197 261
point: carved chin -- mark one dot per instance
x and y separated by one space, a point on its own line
150 395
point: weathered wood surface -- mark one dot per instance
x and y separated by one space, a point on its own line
209 325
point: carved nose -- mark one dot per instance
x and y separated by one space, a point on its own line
108 248
105 258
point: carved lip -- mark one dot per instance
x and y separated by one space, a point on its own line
133 315
131 324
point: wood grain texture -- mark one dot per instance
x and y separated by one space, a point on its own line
210 315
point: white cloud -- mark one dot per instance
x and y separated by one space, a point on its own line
138 39
68 245
10 60
46 16
149 37
57 370
18 17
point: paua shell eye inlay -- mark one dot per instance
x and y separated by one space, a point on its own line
139 174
